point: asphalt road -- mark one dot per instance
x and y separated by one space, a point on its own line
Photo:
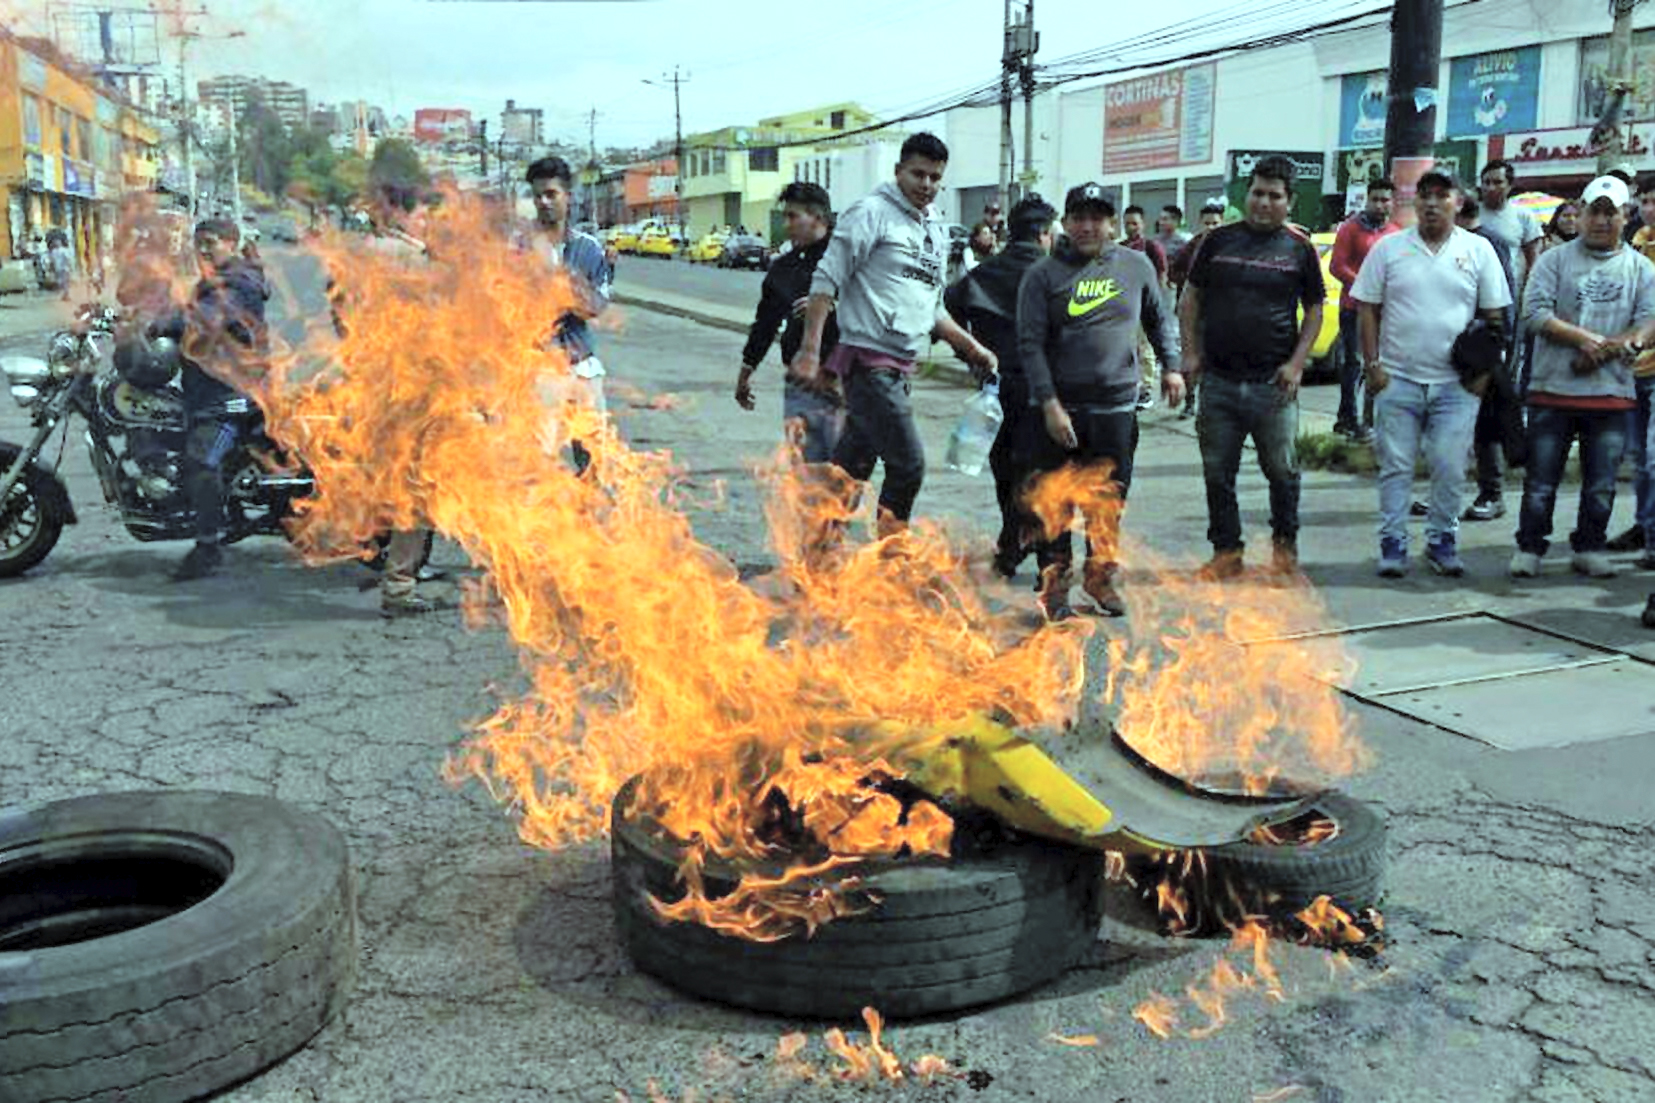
1521 909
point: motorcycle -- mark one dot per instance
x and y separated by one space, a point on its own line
135 433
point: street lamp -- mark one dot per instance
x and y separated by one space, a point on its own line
678 142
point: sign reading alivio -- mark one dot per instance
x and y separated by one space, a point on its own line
1493 93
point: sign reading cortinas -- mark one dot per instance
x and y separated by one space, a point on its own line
1159 121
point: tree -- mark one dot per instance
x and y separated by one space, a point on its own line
396 169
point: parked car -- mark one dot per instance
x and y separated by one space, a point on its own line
708 249
745 251
283 229
1324 352
658 243
626 239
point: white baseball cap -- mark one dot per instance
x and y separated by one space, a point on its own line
1612 188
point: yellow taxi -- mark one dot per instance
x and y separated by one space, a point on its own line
1321 352
625 239
708 249
657 242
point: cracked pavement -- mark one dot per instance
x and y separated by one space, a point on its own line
1521 905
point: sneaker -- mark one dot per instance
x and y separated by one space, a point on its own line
202 560
1099 585
1361 435
1593 564
408 605
1485 508
1186 413
1223 566
1524 565
1630 540
1284 556
1419 509
1444 558
1648 617
1146 399
1393 558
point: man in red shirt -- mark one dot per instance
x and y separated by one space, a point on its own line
1356 236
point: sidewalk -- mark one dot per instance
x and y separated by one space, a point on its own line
26 315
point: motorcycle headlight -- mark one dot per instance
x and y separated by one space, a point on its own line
63 354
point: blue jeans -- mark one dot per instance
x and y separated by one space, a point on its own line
1231 411
1442 416
1350 373
1642 446
1602 440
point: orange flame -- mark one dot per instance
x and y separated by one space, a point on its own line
1159 1013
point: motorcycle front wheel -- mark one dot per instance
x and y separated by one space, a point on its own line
31 520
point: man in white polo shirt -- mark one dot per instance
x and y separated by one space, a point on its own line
1416 293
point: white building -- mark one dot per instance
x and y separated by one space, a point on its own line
1511 84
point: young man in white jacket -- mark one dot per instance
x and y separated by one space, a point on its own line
884 268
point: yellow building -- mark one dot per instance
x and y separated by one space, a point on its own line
732 176
69 150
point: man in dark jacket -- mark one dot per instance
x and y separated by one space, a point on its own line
1079 313
223 338
984 303
812 414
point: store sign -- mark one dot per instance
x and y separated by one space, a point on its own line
1159 121
1362 109
1494 93
662 185
1566 152
1594 79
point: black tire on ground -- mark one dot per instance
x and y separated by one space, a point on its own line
988 924
31 519
172 943
1256 879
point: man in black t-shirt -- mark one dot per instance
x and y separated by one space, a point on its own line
1244 339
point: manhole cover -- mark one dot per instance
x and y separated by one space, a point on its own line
1497 681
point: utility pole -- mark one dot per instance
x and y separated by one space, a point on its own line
1028 43
235 166
1008 65
1607 135
1411 111
678 139
186 123
592 166
482 149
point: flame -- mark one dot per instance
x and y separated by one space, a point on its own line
1159 1013
444 402
1078 1041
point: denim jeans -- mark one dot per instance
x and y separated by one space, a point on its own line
1350 373
1641 445
1100 436
1602 436
1443 417
879 425
812 421
1231 411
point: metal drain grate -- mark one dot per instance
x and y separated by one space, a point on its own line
1495 680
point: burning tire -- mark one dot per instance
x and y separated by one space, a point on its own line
159 946
1007 913
1282 877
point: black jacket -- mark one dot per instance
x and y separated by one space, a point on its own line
984 302
225 332
787 282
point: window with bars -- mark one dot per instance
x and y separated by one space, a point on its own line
763 159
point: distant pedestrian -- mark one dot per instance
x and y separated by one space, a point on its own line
1244 340
1417 291
1079 316
1563 226
1486 442
978 247
996 222
1591 305
1640 535
1178 268
814 414
884 268
985 304
1170 234
1357 235
60 260
1132 224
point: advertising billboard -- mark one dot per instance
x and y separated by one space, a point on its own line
1494 93
1310 167
435 125
1159 121
1362 109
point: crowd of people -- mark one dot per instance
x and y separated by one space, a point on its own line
1475 336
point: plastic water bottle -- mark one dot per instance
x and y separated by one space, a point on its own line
973 436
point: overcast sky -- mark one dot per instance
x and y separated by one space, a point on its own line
745 58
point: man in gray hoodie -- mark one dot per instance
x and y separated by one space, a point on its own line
1591 306
1079 313
884 268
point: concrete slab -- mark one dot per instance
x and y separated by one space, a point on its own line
1546 709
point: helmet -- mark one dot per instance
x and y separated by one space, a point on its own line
147 362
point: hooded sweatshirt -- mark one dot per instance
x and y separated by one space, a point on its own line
884 265
1606 293
1078 322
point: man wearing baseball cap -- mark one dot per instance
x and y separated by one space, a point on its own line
1079 312
1591 306
1416 292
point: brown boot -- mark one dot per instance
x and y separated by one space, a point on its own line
1098 580
1054 593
